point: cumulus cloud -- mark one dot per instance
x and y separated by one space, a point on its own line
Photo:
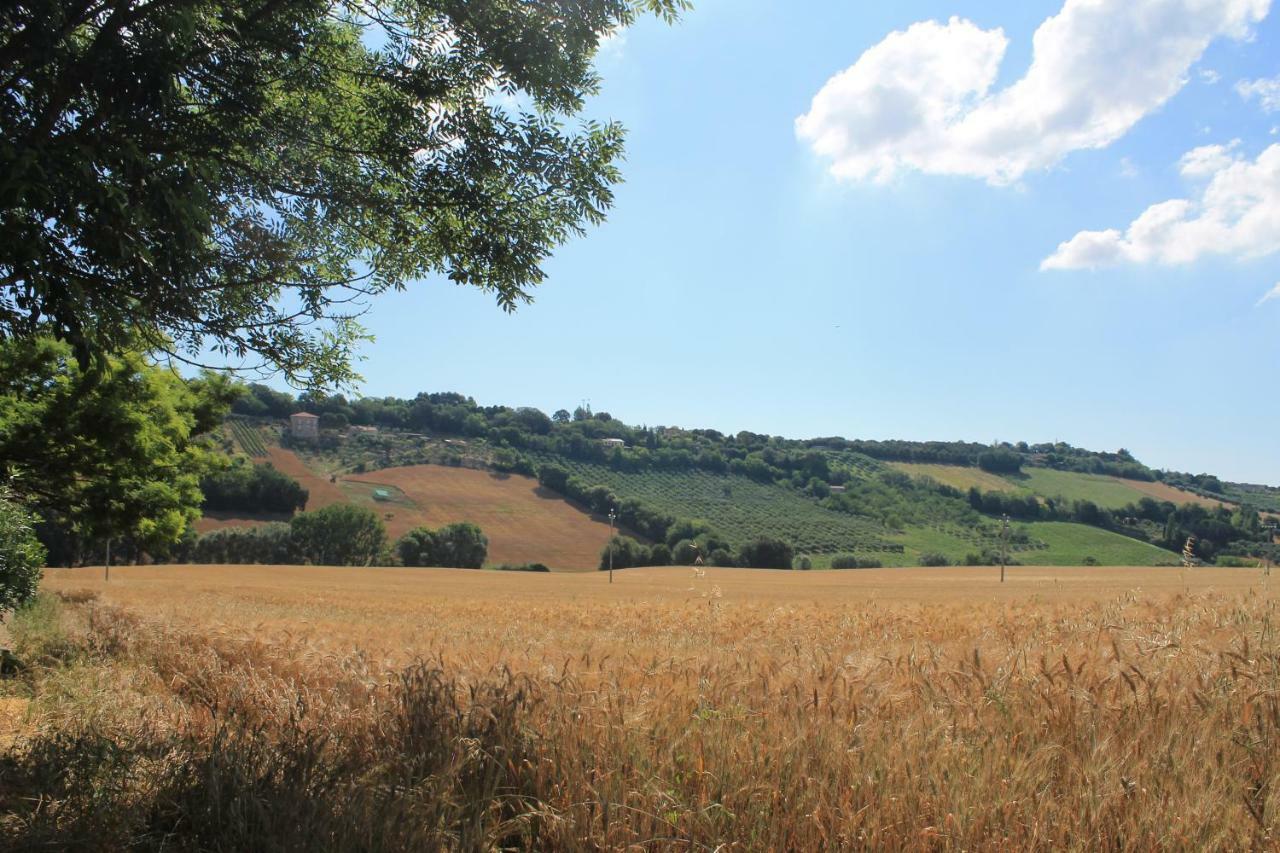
1266 90
921 99
1273 293
1237 214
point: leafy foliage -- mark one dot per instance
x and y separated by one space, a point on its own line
252 488
239 175
21 555
459 546
339 535
110 452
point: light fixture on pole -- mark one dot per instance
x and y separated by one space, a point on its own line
613 514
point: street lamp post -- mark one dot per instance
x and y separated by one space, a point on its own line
613 514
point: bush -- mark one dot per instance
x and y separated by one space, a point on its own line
252 488
626 553
933 558
660 555
457 546
684 552
1090 561
522 567
802 563
850 561
21 554
339 535
722 558
270 544
766 553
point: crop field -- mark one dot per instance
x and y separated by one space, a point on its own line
1106 492
249 437
740 508
232 707
1165 492
524 522
957 476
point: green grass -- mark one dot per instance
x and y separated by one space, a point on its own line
1069 545
1106 492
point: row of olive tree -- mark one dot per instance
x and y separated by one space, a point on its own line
624 552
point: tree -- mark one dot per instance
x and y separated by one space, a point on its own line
239 175
21 554
339 535
766 553
625 553
561 416
460 546
417 547
112 452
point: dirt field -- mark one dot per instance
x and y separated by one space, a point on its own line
1165 492
524 522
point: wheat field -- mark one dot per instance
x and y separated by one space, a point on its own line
721 710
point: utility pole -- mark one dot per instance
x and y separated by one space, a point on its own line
613 514
1004 545
1270 527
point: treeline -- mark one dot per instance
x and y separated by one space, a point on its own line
578 435
339 535
245 487
1218 530
765 552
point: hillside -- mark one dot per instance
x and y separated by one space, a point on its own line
886 502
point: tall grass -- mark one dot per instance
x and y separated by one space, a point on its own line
1134 723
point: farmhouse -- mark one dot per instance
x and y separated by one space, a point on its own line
304 425
613 442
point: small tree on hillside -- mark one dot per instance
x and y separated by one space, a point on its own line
626 553
339 535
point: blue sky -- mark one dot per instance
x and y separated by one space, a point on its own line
890 267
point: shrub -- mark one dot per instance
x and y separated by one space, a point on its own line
933 558
626 553
458 546
660 555
803 563
767 553
1090 561
21 554
270 543
850 561
522 567
339 535
252 488
684 552
722 558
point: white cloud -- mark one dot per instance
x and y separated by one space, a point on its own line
1209 77
1266 90
921 99
1237 214
1273 293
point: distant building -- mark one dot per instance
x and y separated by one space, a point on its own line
837 489
304 425
613 442
356 430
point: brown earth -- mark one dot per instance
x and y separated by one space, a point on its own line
524 522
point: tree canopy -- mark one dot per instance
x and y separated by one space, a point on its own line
105 453
204 175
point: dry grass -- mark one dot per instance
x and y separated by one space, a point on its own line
524 522
1165 492
919 709
957 476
